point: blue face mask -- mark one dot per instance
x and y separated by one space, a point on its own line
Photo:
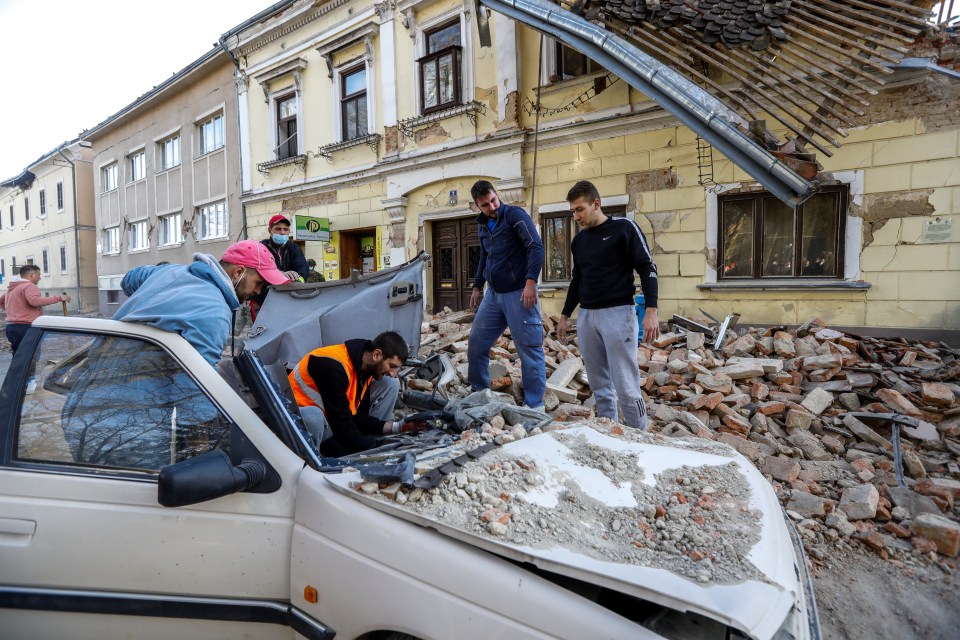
280 239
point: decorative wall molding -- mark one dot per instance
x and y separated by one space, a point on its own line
294 67
512 190
396 208
280 32
365 32
384 10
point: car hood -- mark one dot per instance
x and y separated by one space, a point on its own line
754 589
297 318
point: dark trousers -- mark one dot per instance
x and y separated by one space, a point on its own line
15 333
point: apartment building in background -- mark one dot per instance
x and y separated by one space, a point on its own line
166 175
47 219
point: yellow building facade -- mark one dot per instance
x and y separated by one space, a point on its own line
376 119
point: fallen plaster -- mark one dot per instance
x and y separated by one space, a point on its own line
879 208
432 134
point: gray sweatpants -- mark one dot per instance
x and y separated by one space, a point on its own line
608 343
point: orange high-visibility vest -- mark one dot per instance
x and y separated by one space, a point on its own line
305 389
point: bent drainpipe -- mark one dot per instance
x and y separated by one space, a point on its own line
76 226
686 101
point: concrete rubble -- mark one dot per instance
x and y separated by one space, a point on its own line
782 398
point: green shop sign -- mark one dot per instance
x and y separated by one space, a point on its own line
309 228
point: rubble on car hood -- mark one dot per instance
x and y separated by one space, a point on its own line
690 524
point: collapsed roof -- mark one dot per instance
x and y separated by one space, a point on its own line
723 67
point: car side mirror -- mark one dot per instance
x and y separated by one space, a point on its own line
206 477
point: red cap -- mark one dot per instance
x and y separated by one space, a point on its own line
250 253
278 218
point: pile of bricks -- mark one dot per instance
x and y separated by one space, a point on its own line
783 399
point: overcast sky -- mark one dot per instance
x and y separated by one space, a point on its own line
69 64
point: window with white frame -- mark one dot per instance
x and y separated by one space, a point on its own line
43 203
108 178
441 67
11 215
139 236
63 258
170 230
137 163
170 153
353 103
212 221
287 126
3 267
45 261
26 209
211 134
60 196
111 240
760 237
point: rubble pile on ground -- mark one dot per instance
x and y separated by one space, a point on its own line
784 400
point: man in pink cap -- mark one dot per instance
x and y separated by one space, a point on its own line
198 300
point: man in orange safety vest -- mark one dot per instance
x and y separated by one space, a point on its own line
355 386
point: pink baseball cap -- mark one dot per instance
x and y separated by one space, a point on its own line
250 253
278 218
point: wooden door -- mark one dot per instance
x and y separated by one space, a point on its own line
456 254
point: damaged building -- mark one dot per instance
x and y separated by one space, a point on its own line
370 122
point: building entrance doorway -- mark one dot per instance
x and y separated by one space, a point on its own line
456 255
358 250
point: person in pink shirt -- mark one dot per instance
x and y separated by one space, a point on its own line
23 301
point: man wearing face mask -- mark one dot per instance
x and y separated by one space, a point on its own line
289 257
198 300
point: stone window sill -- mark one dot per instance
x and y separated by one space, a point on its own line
787 284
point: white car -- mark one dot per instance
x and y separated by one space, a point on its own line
103 423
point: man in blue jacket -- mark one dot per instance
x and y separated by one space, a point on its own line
511 256
198 300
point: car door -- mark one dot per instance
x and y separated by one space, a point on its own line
87 419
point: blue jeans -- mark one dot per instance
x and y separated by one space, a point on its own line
497 312
15 333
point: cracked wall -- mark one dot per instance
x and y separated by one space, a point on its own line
880 208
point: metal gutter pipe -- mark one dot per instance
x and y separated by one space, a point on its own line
686 101
76 226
